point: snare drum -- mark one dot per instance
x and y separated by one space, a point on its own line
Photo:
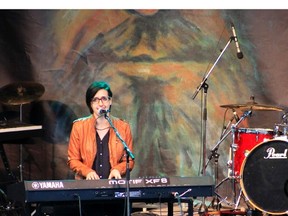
246 139
264 176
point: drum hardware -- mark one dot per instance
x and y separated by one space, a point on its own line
252 105
285 118
204 87
216 202
231 172
282 128
6 206
223 200
21 93
239 151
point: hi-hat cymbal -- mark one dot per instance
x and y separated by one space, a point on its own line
252 106
21 93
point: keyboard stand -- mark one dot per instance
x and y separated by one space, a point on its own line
16 132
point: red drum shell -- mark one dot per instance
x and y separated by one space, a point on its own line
246 139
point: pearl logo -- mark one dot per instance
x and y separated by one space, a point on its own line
271 154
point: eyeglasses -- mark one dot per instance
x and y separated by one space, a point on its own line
102 99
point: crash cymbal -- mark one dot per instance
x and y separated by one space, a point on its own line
21 93
252 106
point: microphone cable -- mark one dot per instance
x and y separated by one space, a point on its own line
178 197
79 203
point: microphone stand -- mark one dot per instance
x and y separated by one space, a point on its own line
204 85
128 154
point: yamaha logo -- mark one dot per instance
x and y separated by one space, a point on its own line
35 185
47 185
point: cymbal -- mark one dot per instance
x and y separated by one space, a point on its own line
21 93
252 106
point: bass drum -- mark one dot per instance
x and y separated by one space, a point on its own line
264 176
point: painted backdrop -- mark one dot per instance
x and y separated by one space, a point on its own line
154 61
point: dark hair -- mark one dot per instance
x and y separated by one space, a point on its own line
93 89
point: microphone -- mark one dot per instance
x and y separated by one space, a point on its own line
102 111
239 53
236 116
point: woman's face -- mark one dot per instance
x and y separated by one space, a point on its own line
101 100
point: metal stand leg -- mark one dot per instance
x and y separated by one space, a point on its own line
203 209
190 208
170 208
215 202
21 162
6 163
21 148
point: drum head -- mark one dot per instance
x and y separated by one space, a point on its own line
265 177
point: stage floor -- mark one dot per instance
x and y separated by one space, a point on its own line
181 209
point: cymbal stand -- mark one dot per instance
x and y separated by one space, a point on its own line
216 156
216 203
231 172
21 146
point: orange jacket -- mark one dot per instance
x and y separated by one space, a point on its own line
82 146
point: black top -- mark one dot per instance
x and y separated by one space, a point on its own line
101 162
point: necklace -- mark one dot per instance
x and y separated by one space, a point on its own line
102 128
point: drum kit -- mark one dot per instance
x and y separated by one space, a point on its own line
258 162
18 94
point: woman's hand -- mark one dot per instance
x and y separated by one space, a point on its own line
114 174
92 176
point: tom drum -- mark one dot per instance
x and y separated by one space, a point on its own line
246 139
